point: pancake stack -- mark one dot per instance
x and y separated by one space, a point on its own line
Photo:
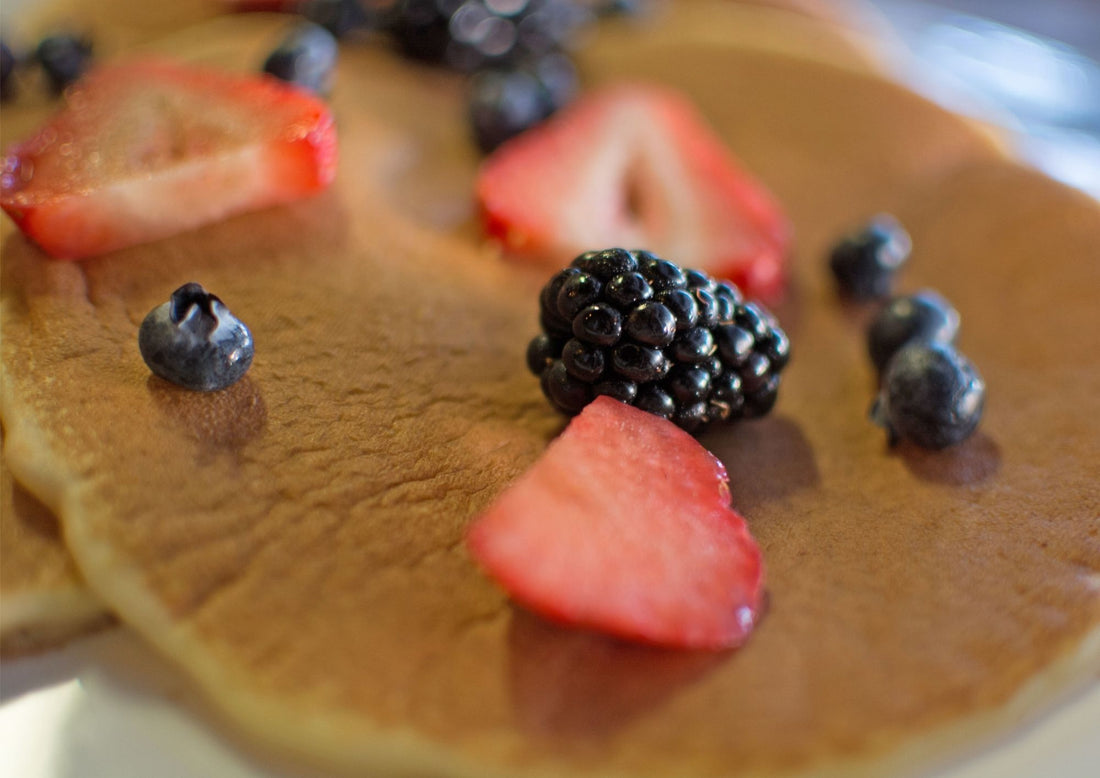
295 543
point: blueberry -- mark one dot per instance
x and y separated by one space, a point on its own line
931 394
7 68
64 58
421 27
864 263
504 103
305 58
651 323
922 316
193 340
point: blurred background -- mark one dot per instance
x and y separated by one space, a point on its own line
1030 65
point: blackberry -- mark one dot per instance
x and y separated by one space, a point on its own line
194 341
864 262
931 394
924 316
673 342
338 17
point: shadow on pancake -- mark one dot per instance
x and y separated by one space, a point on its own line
976 460
578 684
766 459
220 422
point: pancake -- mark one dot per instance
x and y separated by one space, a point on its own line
295 543
43 600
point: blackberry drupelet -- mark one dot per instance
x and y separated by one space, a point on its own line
673 342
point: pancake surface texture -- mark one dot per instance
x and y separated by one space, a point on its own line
296 541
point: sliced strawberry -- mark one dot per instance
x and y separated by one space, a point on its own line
634 166
148 149
624 526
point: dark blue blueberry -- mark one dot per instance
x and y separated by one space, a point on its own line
557 75
606 265
338 17
623 391
542 351
651 323
566 393
734 344
639 363
194 341
64 57
577 292
306 57
421 27
931 394
628 289
653 399
865 262
922 316
7 68
694 345
550 25
598 324
583 361
683 306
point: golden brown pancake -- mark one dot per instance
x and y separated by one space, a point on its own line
43 600
296 542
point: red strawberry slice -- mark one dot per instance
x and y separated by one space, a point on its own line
624 526
148 149
634 166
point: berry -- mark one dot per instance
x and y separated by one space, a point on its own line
924 316
931 394
305 57
194 341
504 103
604 332
634 164
213 144
337 17
642 544
7 69
64 58
864 262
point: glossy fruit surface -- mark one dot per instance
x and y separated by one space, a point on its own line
194 341
146 149
306 57
864 262
624 526
931 394
924 316
634 165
